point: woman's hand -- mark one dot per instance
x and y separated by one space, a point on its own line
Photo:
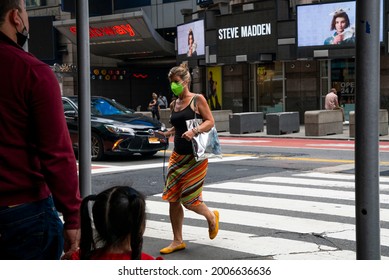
166 133
188 135
338 39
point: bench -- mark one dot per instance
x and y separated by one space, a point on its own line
382 118
282 123
323 122
248 122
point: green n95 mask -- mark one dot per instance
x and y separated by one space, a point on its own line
176 88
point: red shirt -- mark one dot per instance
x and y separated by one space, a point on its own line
36 154
114 256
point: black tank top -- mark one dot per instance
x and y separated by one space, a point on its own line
178 120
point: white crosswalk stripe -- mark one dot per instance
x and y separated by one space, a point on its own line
317 204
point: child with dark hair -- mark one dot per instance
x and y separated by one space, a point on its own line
119 218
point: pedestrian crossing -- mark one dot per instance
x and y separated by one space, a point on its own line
300 216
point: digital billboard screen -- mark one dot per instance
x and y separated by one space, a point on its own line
330 24
191 39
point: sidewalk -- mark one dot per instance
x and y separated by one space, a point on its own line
301 134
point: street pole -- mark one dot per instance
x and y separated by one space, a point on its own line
367 132
83 59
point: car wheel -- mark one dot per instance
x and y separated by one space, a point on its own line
148 154
97 147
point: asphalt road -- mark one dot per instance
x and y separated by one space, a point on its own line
246 162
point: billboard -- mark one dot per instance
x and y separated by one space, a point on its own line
328 24
191 39
250 33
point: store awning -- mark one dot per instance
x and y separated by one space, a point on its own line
122 36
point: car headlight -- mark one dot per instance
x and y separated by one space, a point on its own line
119 129
163 127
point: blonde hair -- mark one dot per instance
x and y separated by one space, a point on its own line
181 71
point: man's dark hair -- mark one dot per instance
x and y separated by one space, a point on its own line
7 5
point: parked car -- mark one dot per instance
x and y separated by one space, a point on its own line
115 128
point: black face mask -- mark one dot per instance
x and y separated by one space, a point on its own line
22 37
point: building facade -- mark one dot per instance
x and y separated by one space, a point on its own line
259 56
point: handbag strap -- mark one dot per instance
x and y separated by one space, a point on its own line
195 105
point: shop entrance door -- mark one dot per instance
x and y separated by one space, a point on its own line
266 92
339 74
343 80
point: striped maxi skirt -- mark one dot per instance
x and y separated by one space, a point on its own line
185 179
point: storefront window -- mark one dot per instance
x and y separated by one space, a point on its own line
343 80
269 87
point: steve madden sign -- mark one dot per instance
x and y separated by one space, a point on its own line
245 31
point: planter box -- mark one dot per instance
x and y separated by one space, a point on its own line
282 123
382 118
221 119
246 122
323 122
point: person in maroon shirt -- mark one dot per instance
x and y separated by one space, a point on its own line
38 169
116 232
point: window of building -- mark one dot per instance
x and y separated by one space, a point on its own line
125 4
268 93
35 3
172 1
343 79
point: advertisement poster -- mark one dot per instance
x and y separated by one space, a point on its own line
190 39
328 24
214 87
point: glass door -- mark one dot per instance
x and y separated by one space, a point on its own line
267 93
343 80
325 73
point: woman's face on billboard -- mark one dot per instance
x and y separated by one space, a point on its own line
340 24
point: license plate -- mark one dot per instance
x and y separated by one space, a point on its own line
154 140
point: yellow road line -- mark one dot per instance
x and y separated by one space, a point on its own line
348 161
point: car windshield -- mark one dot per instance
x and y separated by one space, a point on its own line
106 107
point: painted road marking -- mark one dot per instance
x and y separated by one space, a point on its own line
113 168
292 191
347 145
312 182
298 198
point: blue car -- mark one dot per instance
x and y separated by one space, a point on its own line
115 128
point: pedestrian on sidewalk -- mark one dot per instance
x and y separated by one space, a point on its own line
119 219
38 171
186 176
163 104
332 102
154 106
